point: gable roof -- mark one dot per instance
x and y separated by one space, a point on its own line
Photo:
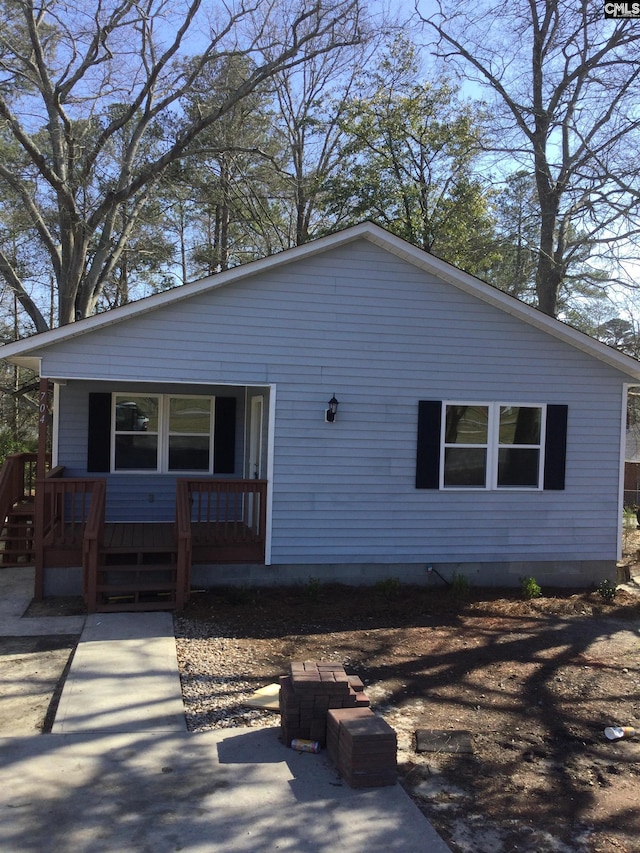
26 352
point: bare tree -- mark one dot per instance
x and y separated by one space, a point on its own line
410 160
63 67
312 102
230 174
567 87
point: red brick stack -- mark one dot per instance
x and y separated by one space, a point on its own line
334 718
309 692
363 747
320 702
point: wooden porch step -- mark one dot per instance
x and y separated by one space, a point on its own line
126 590
24 507
21 515
16 534
141 585
164 577
17 522
138 567
19 554
138 574
112 599
138 607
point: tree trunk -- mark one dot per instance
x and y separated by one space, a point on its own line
548 272
225 182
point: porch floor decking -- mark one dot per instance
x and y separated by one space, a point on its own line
125 536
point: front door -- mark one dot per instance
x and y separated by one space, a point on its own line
255 471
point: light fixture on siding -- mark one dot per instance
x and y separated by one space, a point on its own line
332 411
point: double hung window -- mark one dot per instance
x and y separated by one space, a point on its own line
160 432
494 445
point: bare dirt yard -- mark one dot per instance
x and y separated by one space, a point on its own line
32 671
530 684
533 682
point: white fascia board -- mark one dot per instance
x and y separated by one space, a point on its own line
31 362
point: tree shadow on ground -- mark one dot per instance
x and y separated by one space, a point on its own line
535 682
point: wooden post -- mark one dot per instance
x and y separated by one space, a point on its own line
41 472
43 428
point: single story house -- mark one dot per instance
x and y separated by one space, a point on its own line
352 410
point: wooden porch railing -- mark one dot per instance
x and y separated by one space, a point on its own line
183 535
63 506
92 542
67 504
221 520
216 521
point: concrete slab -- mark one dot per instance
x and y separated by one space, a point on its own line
120 771
239 790
124 677
16 592
42 627
632 585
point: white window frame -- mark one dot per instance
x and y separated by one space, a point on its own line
493 445
164 409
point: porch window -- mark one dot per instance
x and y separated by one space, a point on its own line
137 425
156 432
189 429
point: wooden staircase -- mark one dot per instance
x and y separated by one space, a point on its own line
137 568
17 528
17 546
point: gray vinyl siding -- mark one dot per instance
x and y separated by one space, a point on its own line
381 335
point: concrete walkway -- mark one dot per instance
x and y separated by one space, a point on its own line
124 677
119 772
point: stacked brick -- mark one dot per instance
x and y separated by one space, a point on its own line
363 747
320 702
309 692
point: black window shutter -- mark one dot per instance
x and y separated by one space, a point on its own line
428 455
99 433
224 440
555 447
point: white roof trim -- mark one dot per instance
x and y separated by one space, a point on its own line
25 351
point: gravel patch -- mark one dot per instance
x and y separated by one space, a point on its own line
214 688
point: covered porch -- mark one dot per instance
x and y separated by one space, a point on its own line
133 483
59 523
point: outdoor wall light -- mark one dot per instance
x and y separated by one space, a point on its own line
330 414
